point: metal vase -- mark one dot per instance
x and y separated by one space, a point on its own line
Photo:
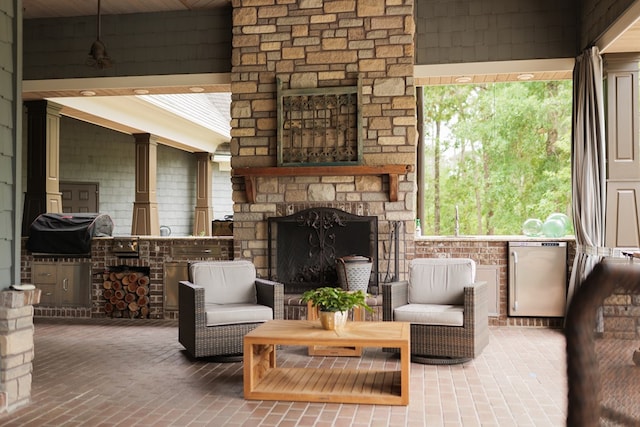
333 320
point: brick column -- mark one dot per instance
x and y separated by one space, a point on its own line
145 207
16 347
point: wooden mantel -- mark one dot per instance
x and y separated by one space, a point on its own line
250 175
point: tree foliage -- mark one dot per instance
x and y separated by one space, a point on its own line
500 152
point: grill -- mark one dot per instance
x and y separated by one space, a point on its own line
67 233
125 247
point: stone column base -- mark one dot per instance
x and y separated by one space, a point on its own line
16 347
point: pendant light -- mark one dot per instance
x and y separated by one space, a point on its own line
98 57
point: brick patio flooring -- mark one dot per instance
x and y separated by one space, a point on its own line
135 373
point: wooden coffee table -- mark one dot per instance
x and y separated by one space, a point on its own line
348 350
263 380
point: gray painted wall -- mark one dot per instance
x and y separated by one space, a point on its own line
197 41
447 31
597 15
461 31
89 153
10 150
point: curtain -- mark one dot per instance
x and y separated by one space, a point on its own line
587 166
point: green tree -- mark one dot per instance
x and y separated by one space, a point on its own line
500 153
443 106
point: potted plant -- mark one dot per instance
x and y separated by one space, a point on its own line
334 304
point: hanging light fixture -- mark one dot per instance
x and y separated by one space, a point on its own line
98 57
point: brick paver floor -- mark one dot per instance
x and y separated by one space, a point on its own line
135 373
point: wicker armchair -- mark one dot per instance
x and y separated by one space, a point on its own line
221 302
446 309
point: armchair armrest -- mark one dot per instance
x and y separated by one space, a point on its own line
394 294
475 304
271 294
191 303
192 316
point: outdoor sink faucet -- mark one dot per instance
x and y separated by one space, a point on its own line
457 230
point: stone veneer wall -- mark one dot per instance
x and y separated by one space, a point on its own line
16 347
322 43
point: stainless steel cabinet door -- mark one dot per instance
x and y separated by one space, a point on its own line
537 279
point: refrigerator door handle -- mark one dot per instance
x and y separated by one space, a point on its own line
514 254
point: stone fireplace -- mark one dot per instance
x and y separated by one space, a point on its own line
303 247
308 49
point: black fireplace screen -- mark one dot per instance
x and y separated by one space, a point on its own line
303 247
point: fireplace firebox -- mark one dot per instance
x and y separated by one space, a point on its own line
303 247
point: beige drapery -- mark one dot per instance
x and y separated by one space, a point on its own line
588 152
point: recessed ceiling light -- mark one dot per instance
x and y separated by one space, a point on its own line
525 76
87 93
463 79
196 89
140 91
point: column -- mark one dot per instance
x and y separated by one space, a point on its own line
16 347
204 208
43 162
623 150
145 207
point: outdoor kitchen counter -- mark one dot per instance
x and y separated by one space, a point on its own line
491 254
500 238
164 259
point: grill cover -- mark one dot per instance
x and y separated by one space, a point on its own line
67 233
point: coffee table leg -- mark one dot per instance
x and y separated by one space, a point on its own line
247 375
405 373
257 359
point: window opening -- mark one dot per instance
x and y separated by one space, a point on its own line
498 154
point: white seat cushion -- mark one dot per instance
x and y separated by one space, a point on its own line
430 314
230 314
440 280
225 282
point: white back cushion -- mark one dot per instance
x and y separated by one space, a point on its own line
225 282
440 280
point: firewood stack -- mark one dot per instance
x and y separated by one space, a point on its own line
126 294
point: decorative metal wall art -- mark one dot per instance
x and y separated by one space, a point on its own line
319 126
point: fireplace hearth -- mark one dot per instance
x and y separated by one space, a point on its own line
303 247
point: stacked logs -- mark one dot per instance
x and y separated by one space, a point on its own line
126 294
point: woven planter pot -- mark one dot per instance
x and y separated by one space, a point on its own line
354 272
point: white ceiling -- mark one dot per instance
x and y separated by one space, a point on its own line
201 122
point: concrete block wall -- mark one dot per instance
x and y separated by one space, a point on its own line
176 190
222 198
89 153
494 30
316 43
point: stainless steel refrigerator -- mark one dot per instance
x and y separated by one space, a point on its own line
537 279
